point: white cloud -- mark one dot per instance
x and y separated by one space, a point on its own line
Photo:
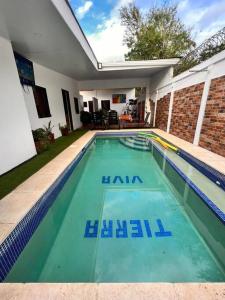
107 42
182 5
209 31
100 26
204 21
82 10
213 13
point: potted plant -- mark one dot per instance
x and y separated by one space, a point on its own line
40 140
48 131
64 130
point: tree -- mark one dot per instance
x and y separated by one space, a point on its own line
157 34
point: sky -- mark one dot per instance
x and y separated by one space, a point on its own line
101 24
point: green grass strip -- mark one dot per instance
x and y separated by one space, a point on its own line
13 178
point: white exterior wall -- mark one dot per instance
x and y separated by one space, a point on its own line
212 68
195 75
107 95
161 78
54 83
17 143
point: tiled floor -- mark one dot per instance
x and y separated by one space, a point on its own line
16 204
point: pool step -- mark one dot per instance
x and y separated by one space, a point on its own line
135 143
139 142
140 138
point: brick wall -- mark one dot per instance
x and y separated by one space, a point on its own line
162 111
213 128
185 111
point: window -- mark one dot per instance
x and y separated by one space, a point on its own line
76 103
85 104
41 101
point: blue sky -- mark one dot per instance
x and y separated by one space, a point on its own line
101 23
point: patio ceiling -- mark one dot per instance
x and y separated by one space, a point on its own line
48 33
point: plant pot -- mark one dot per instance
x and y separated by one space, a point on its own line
64 131
41 145
51 138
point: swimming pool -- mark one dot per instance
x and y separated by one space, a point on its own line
124 215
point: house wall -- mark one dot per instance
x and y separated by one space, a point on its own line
161 78
185 111
162 111
16 139
125 83
107 95
196 109
213 127
18 113
54 83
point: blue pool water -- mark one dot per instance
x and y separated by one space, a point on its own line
124 215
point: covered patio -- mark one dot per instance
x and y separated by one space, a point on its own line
63 64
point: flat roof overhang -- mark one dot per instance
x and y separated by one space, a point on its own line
48 33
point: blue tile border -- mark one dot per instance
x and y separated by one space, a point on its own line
212 174
217 212
16 241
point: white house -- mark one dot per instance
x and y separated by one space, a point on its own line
47 33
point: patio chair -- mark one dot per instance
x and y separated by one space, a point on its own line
105 118
113 117
97 121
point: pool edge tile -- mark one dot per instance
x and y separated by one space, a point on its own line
214 160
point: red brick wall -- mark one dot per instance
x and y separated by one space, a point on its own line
185 111
162 111
213 128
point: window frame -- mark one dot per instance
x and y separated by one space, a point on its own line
41 102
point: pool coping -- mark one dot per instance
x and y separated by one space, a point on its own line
17 204
219 213
211 159
113 291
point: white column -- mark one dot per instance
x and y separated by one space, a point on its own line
156 99
202 106
146 99
170 109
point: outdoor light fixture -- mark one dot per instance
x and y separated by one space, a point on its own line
99 65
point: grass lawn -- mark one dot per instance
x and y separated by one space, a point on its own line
12 179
